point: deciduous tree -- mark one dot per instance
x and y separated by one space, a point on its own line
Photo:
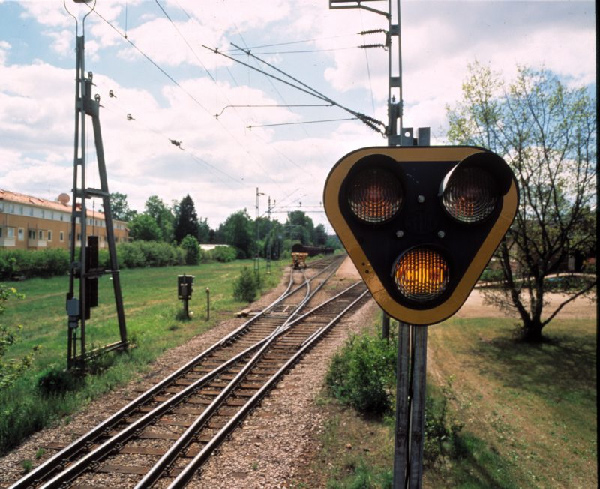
120 207
546 131
163 215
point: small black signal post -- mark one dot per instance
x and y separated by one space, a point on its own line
185 287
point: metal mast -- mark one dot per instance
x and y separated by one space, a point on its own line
412 340
256 255
270 237
84 262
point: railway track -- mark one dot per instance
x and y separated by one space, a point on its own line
164 435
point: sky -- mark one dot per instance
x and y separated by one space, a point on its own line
237 129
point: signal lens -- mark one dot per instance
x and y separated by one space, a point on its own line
421 274
375 195
470 194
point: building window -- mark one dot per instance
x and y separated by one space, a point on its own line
21 234
41 234
62 236
49 235
43 213
31 211
31 234
21 209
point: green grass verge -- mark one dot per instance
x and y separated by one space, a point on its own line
538 404
151 306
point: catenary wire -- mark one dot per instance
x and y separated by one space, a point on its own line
266 174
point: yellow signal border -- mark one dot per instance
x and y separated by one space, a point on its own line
415 154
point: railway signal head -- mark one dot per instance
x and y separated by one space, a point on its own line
421 223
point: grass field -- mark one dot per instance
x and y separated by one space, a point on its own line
526 414
151 307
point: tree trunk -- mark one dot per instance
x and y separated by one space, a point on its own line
532 331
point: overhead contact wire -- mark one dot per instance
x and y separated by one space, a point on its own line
369 121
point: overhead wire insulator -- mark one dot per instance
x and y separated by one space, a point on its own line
369 46
373 31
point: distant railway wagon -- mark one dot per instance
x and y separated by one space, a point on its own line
312 250
300 252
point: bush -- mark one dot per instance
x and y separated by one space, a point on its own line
362 374
223 254
28 263
190 247
149 254
52 262
57 382
10 370
246 286
489 275
130 256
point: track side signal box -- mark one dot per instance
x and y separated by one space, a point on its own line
185 286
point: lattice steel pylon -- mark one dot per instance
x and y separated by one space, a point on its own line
83 268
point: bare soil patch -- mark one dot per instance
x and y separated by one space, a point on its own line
475 306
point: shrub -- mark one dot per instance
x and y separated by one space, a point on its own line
8 264
11 370
245 287
57 382
223 254
490 275
28 263
190 247
131 256
362 374
51 262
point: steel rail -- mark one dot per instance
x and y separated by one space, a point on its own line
102 450
63 456
186 474
167 459
66 453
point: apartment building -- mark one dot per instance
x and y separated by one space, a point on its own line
32 223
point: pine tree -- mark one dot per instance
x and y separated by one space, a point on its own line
187 220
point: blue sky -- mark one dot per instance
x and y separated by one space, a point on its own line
224 159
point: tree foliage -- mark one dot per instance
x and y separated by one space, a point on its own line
299 227
237 231
187 220
546 131
320 235
120 207
164 217
143 227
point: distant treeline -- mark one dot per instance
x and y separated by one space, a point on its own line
172 224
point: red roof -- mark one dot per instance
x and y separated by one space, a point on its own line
18 198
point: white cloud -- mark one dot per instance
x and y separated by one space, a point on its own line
222 161
4 48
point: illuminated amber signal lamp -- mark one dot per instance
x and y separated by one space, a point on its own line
421 274
421 223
